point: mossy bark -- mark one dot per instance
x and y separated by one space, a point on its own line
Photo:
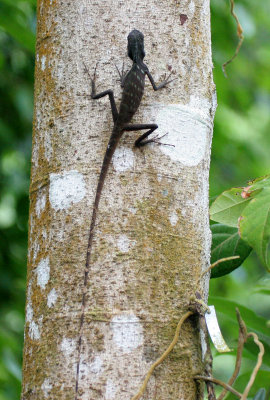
152 238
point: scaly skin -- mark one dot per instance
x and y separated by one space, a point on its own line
133 88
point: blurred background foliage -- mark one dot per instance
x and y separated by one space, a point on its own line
240 152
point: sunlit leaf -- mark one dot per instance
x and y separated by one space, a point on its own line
228 207
260 183
255 225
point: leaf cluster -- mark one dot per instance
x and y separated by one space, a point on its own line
244 216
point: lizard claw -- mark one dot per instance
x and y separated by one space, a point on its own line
156 140
167 80
122 74
92 79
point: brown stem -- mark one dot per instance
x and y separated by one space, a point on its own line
240 36
241 341
257 366
220 383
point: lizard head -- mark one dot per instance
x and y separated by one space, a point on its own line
136 46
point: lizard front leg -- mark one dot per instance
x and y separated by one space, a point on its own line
108 92
122 74
163 84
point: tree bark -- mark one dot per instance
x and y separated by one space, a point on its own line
152 239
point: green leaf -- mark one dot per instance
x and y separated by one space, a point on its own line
260 395
249 209
227 243
255 225
262 290
251 352
228 207
260 183
262 380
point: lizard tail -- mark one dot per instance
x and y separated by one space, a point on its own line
114 139
113 142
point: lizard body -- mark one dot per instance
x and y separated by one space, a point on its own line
133 88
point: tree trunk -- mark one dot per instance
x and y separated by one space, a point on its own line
152 239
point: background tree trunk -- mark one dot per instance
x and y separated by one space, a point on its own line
152 238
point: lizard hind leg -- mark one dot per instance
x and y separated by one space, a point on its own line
138 127
141 141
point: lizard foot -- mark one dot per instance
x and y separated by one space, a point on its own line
92 79
122 74
156 139
167 80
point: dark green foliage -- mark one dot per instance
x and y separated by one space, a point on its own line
17 21
262 378
248 209
226 243
227 317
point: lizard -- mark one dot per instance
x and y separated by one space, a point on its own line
132 83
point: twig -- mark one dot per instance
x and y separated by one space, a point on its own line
243 336
221 260
164 355
257 366
220 383
208 359
239 34
241 341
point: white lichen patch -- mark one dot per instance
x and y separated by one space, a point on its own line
127 332
123 159
66 189
29 312
124 244
46 387
43 63
34 332
183 212
29 291
44 234
84 370
187 128
68 346
133 210
110 390
35 249
191 9
29 315
40 204
43 272
96 366
200 105
52 297
173 218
